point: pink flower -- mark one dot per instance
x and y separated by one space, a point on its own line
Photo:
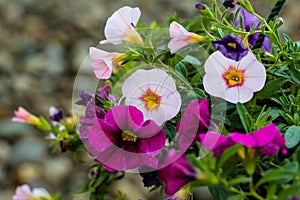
154 93
23 116
23 192
231 80
180 37
103 62
121 26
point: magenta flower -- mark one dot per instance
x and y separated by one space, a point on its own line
178 173
180 37
268 140
215 142
249 21
24 192
195 120
103 62
123 140
233 81
23 116
121 26
231 46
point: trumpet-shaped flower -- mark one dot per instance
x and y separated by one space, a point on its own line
123 140
103 62
231 46
24 192
121 26
178 173
231 80
154 93
180 37
23 116
268 140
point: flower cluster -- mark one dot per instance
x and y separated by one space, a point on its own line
212 103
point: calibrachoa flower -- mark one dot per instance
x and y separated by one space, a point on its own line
195 120
249 21
56 114
231 46
267 139
233 81
103 62
180 37
154 93
229 3
121 26
23 116
85 97
215 142
23 192
123 140
178 173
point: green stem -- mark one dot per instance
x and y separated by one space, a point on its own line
275 11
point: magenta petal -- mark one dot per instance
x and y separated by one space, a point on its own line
178 173
195 120
245 139
153 144
125 117
117 159
98 139
266 134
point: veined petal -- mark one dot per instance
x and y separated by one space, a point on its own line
121 25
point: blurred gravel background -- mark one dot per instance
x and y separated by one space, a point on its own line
42 45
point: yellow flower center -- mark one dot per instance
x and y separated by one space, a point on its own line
234 77
231 44
151 100
246 152
128 136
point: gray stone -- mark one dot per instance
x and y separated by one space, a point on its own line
12 130
30 149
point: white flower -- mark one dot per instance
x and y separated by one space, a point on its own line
154 93
121 26
233 81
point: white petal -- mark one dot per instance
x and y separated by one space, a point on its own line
218 64
120 24
214 85
40 192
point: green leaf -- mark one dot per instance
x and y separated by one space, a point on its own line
191 60
281 175
244 116
292 191
181 69
228 154
271 88
295 75
292 136
239 180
